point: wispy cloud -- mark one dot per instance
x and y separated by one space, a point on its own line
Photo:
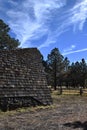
78 14
76 17
68 49
72 52
35 18
51 39
29 20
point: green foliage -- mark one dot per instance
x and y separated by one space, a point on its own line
66 64
54 67
86 83
6 42
60 73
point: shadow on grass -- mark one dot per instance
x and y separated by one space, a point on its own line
77 124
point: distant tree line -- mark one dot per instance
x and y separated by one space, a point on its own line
60 72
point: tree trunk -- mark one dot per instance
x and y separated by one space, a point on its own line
55 80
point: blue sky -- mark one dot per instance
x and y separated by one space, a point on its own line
47 24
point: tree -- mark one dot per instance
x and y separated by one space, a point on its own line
65 77
83 72
78 73
6 42
66 64
55 67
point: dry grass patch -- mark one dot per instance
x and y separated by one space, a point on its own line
65 110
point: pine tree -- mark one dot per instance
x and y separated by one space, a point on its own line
6 42
55 67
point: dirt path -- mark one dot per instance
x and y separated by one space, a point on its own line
69 113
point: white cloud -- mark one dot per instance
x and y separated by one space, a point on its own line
68 49
72 52
21 22
78 14
12 2
32 19
73 46
28 21
51 39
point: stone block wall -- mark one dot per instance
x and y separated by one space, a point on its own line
22 78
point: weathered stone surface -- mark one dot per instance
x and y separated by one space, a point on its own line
22 78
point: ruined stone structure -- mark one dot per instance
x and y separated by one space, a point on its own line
22 79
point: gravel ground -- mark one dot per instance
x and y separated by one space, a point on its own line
67 113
